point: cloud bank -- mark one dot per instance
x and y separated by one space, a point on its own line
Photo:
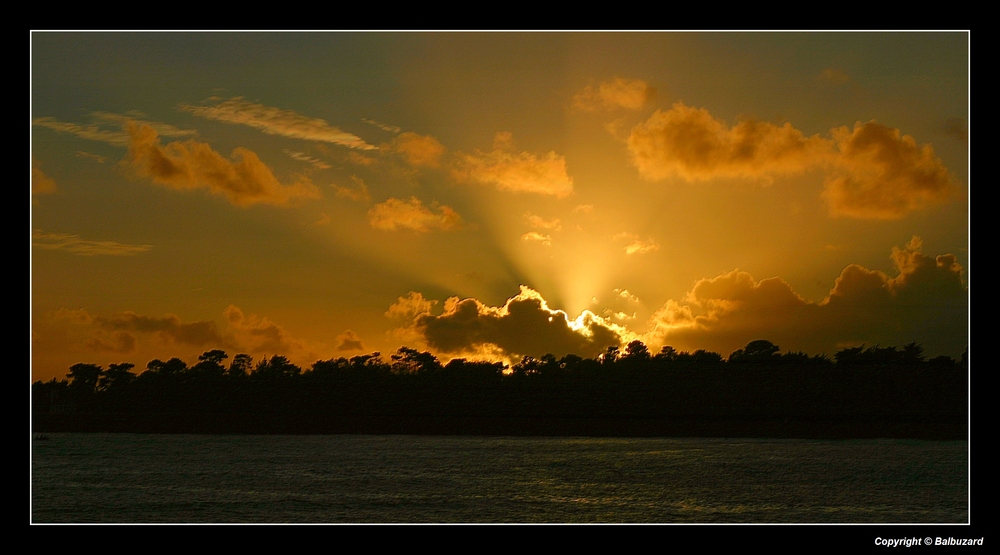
169 328
926 301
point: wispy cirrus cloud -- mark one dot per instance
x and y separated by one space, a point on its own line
109 127
382 126
303 157
84 247
186 165
395 214
276 121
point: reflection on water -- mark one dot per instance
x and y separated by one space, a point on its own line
209 478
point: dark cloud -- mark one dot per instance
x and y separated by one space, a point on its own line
349 341
169 327
926 302
525 325
121 342
257 334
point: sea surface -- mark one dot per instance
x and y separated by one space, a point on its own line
151 478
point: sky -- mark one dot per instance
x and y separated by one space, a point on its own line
495 195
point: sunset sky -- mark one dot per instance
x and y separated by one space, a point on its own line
495 195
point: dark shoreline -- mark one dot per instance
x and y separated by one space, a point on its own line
927 428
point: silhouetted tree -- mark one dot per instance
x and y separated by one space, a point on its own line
411 361
210 364
84 377
116 376
912 353
275 367
666 354
172 367
636 351
610 356
241 365
759 350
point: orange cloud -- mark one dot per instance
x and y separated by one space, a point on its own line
538 238
41 184
637 245
631 94
419 150
412 306
395 214
514 171
873 171
185 165
539 222
887 174
357 193
691 144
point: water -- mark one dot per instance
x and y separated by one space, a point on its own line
147 478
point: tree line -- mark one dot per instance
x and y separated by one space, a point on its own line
859 392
